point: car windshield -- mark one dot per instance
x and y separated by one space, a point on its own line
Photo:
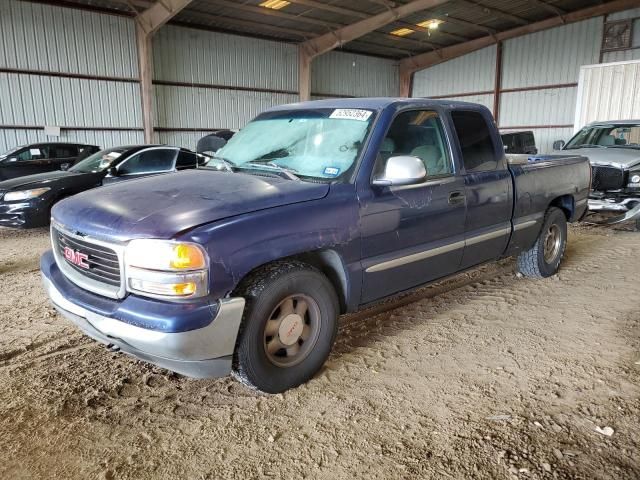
98 162
606 136
321 144
9 152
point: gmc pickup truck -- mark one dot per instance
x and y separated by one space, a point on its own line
311 210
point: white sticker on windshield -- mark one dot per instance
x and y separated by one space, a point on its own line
34 151
351 114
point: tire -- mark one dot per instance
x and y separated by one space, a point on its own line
279 347
541 262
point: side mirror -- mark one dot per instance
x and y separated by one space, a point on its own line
112 172
402 170
558 145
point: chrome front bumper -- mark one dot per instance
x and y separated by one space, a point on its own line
597 205
202 353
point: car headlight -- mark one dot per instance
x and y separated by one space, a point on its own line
634 178
24 194
166 269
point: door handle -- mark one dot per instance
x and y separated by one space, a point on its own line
456 198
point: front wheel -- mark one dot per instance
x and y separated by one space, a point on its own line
543 258
288 328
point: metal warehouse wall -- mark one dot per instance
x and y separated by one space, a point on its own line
634 52
539 78
338 74
207 80
73 69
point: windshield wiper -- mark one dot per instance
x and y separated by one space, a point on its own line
588 145
289 173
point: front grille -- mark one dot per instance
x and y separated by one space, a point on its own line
606 178
104 265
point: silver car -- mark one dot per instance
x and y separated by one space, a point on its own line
613 149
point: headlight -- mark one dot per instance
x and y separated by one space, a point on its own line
24 194
162 268
635 178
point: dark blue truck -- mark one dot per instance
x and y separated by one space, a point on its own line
310 211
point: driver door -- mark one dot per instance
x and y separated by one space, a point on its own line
413 234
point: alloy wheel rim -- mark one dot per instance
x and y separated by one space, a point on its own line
552 243
292 330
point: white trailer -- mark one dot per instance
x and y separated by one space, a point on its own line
608 91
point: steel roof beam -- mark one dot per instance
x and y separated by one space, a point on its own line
310 49
410 65
495 12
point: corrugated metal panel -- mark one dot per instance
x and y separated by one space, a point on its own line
182 139
621 55
552 56
341 73
196 56
538 107
38 100
474 72
633 13
608 92
187 107
102 138
41 37
546 136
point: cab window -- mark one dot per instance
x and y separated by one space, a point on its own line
417 133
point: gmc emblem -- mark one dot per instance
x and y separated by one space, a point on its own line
75 257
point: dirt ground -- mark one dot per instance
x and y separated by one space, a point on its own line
485 375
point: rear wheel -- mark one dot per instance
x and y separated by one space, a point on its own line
288 328
544 257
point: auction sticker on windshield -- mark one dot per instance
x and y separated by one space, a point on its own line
351 114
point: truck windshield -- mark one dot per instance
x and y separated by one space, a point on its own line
98 162
610 135
319 144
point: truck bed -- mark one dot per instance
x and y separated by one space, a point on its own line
539 179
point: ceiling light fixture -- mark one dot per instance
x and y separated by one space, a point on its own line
401 32
432 24
274 4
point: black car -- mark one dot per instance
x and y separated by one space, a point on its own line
519 142
26 202
42 157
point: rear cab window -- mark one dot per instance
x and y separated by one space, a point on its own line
476 142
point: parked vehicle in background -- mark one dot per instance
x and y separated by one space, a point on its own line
519 142
26 202
311 210
613 149
42 157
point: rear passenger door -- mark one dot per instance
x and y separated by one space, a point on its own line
487 185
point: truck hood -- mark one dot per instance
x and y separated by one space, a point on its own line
617 157
163 206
